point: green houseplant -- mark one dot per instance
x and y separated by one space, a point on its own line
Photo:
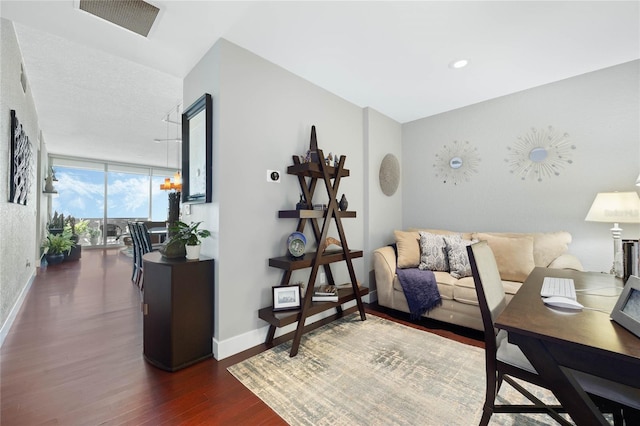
56 245
185 240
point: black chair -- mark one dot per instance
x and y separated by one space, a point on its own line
505 361
141 246
137 252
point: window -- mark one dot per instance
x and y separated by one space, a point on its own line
108 193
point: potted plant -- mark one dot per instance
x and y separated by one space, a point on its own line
185 240
56 245
94 235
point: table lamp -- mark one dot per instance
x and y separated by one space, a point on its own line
615 207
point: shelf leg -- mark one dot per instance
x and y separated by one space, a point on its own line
270 334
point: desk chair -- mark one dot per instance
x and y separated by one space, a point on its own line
504 360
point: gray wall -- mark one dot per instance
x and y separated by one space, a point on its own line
19 242
263 116
600 111
382 213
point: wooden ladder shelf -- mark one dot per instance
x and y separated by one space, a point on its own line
309 174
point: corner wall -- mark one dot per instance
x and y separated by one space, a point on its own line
18 233
262 117
601 113
382 213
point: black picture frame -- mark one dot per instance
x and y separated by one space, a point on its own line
286 297
197 151
627 309
21 159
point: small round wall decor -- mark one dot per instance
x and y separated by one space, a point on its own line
456 162
540 154
389 175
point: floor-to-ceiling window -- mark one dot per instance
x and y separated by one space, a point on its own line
105 196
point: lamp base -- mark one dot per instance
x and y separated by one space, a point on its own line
618 266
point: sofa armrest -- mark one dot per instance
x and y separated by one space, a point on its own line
384 264
566 261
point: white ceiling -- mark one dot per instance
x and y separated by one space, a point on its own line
101 91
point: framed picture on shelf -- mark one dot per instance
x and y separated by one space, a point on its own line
286 297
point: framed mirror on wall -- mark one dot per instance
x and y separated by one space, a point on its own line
197 149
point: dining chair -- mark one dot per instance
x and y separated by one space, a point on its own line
504 361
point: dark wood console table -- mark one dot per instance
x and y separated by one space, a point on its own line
178 310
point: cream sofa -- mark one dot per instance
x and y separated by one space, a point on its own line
516 255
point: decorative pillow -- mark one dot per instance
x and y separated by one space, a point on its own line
459 266
408 244
433 252
514 255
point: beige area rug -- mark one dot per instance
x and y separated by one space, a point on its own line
377 372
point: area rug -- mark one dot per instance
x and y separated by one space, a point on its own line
377 372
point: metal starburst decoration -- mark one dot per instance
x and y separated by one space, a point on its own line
456 162
540 154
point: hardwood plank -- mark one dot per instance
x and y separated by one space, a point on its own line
74 357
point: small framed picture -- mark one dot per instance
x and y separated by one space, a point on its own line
286 297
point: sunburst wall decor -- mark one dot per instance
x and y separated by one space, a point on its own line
540 154
456 162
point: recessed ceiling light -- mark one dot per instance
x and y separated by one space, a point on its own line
458 63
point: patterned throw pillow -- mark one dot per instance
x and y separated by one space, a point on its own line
459 266
433 252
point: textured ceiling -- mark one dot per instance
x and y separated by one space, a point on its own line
101 91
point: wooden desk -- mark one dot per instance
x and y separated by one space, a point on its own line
556 341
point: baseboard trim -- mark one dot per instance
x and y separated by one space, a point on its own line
4 331
236 344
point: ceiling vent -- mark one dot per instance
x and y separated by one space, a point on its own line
134 15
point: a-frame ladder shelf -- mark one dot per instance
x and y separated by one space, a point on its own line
309 176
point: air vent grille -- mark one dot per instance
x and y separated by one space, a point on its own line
134 15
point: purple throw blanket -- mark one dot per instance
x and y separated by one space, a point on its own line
420 289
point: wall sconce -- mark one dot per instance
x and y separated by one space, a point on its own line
615 207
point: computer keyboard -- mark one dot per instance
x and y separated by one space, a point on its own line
563 287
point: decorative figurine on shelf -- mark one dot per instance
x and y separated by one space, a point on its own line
302 204
336 160
313 147
329 241
328 160
343 204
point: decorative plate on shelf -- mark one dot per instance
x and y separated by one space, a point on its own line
296 244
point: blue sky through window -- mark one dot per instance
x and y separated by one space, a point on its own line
81 194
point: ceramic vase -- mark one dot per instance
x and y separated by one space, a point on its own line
193 252
343 204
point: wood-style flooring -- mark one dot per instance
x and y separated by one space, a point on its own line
74 357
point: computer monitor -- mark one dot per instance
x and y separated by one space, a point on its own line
627 309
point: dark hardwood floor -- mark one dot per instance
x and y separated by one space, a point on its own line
74 357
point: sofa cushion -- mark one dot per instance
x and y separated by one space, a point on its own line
547 246
408 244
514 255
464 235
459 265
433 252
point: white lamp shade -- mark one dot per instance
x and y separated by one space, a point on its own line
615 207
638 181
